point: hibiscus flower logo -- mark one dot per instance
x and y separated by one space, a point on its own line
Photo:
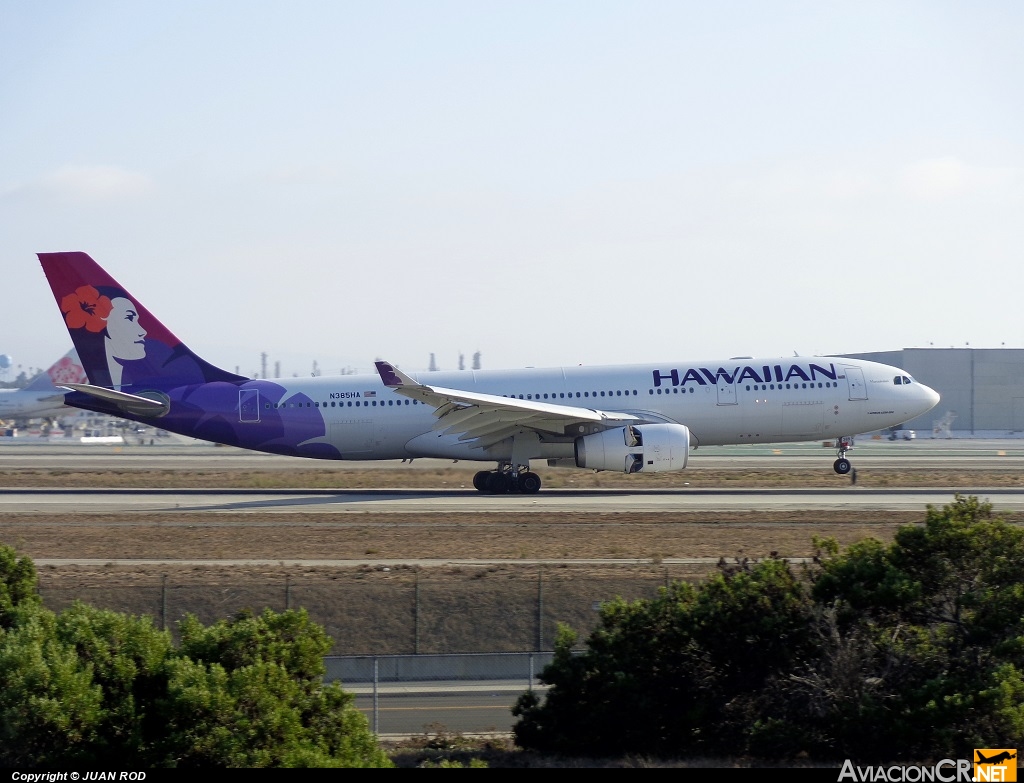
86 307
66 371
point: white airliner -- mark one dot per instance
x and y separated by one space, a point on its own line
642 418
42 398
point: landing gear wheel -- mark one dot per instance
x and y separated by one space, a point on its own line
842 466
529 483
498 483
480 480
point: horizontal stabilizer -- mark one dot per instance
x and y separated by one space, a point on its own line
133 403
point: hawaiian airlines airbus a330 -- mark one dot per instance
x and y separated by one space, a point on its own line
641 418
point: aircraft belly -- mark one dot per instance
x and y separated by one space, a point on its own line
448 446
440 445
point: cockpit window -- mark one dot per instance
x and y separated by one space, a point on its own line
902 380
898 380
906 380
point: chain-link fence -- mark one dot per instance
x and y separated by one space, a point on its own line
370 612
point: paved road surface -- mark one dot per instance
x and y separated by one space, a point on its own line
468 500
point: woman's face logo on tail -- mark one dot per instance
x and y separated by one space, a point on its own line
107 329
125 335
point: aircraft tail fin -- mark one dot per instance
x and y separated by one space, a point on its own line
67 369
120 343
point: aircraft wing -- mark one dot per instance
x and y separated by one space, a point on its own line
489 418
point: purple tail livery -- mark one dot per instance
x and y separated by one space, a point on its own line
138 369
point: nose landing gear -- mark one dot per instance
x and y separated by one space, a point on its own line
842 465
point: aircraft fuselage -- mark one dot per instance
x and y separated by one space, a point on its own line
721 402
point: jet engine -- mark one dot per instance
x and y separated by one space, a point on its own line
651 448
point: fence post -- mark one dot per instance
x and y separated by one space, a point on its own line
376 703
163 602
287 592
529 684
540 609
416 617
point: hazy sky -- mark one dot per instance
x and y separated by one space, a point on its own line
545 182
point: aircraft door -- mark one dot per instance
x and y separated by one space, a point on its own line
855 381
249 405
726 391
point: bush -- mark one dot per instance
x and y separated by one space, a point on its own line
886 652
100 688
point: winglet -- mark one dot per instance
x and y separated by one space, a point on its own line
392 376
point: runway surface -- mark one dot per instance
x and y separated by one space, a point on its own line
439 502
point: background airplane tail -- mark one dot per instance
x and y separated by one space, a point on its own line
120 343
67 369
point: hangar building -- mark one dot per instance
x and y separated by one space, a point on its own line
982 389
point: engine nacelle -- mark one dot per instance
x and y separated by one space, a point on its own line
651 448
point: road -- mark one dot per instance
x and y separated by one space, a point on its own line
404 709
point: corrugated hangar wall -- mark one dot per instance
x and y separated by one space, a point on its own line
984 387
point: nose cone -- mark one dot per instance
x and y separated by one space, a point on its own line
929 397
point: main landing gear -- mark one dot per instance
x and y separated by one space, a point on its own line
504 479
842 465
